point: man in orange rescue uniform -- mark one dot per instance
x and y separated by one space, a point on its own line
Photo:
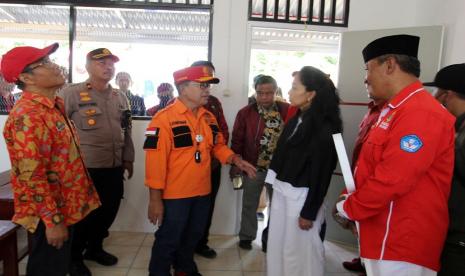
52 189
179 143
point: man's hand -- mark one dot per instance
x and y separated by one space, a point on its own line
234 171
305 224
243 165
57 235
129 167
353 228
155 209
343 222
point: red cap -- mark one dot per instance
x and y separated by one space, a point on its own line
195 73
18 58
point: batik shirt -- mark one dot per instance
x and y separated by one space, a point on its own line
49 180
137 104
273 128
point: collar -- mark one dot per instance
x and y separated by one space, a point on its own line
373 107
89 87
38 98
459 122
405 94
181 108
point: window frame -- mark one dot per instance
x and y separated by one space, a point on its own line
118 4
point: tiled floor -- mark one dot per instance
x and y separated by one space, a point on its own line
133 251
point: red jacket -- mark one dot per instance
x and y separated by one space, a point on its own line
403 177
248 130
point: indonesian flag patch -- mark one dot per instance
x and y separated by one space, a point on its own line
151 140
152 131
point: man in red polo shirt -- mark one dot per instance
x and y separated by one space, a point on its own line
404 169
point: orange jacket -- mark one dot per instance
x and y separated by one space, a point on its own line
172 140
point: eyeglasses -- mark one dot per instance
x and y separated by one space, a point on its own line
202 85
46 62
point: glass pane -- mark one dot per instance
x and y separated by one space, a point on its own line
282 9
257 8
327 15
340 11
304 15
37 26
270 9
161 40
316 11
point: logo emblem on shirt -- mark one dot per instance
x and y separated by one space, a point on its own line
90 112
385 123
91 122
84 94
85 99
410 143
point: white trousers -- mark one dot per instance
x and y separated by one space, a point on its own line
396 268
291 250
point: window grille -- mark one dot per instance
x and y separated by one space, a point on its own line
312 12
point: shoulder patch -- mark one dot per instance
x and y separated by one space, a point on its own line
410 143
151 140
152 131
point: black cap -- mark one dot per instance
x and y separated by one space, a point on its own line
394 44
101 53
451 77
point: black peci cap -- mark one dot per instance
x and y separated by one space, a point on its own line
451 77
394 44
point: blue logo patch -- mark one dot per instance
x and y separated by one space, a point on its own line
410 143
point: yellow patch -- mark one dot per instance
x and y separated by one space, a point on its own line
90 111
26 168
84 94
91 122
20 136
85 99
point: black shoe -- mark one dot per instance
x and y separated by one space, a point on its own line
101 257
206 252
78 268
245 244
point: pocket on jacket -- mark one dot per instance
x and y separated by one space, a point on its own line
182 137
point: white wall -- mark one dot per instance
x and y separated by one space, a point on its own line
381 14
450 14
4 160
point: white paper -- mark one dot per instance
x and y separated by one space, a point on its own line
344 162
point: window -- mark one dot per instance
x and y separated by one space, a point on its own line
279 52
153 38
151 44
